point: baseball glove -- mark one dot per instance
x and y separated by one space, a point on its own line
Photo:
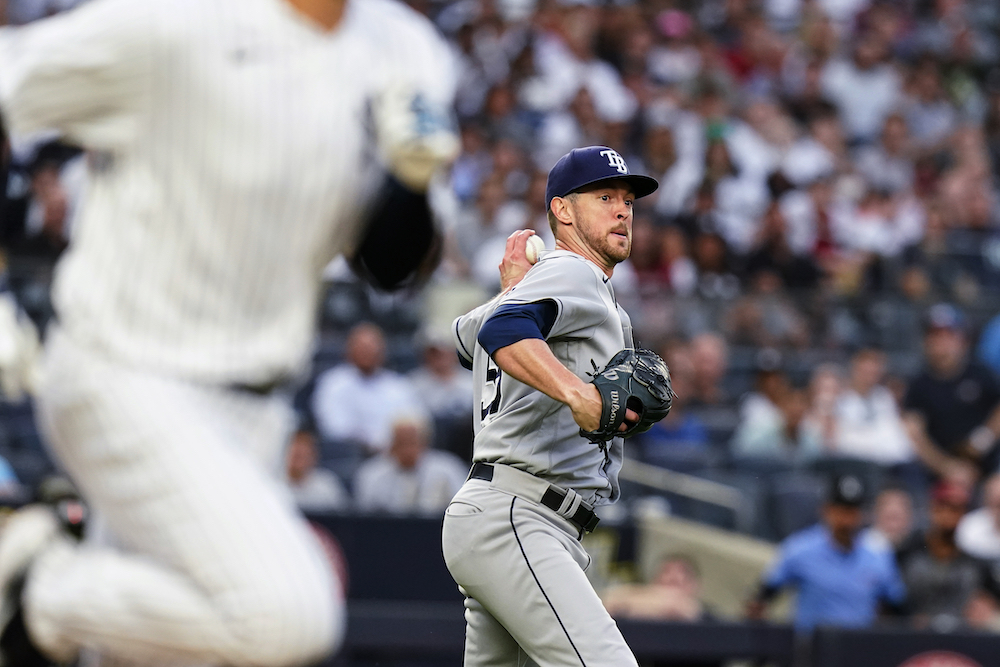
635 379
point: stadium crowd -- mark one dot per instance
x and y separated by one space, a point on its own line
820 266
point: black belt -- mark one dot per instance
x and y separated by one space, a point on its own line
584 518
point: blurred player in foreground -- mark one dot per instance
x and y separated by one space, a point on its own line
229 163
545 450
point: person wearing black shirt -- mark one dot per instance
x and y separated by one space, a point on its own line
952 409
941 579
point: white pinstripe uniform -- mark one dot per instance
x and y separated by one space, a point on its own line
227 141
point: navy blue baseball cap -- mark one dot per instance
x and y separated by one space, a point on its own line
593 164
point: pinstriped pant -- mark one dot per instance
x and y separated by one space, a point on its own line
528 601
216 566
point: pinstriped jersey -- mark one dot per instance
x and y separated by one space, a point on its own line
522 427
228 166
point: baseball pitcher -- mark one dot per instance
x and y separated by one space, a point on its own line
557 382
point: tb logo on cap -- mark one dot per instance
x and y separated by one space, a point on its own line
615 160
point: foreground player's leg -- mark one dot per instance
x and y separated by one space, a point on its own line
220 569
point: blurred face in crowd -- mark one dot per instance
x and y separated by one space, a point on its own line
678 359
709 356
366 348
409 442
825 385
773 384
710 253
491 197
894 134
843 522
867 370
894 515
945 350
868 52
673 245
301 455
645 240
440 359
945 515
680 574
660 151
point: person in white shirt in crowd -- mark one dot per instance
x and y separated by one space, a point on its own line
565 61
439 383
354 401
892 520
878 223
409 478
868 421
888 164
773 418
931 116
820 153
445 391
978 533
314 489
865 88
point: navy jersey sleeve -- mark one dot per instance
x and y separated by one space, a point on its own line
518 321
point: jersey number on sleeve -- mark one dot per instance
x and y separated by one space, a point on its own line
493 376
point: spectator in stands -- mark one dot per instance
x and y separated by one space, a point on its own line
941 579
315 489
710 362
681 433
766 316
866 88
868 423
889 165
354 402
978 532
952 409
892 523
445 391
772 418
673 595
929 113
819 154
410 478
840 581
825 385
772 252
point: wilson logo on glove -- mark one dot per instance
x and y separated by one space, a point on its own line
643 377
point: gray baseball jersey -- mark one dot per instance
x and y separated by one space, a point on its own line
522 427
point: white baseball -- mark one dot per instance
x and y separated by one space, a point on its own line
534 248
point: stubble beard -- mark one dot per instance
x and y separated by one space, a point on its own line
601 244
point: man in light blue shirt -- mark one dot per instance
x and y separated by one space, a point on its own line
840 581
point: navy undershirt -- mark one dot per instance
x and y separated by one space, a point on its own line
518 321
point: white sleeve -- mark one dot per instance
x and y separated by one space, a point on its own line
414 53
83 73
